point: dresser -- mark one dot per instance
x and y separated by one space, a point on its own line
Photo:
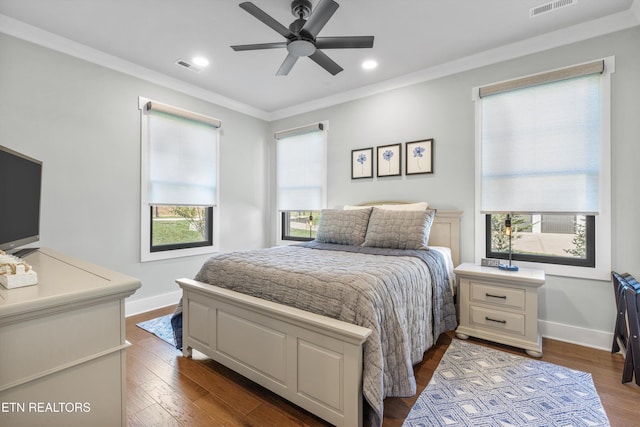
62 345
500 306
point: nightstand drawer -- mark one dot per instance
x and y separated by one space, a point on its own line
499 295
508 322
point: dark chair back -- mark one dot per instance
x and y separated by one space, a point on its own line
620 332
631 289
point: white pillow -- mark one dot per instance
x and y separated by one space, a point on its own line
421 206
354 207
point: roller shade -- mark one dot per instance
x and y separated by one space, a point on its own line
182 158
301 168
540 146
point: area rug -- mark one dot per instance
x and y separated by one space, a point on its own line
479 386
160 327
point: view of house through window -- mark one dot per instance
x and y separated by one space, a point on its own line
554 238
178 227
300 225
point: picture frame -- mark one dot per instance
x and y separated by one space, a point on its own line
362 163
419 157
389 159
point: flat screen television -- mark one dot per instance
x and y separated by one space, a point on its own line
20 189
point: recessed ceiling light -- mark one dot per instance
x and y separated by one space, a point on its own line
369 64
200 61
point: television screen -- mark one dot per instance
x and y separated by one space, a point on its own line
20 186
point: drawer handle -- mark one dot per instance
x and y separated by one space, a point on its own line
504 297
504 322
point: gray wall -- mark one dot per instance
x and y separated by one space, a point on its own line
442 109
83 122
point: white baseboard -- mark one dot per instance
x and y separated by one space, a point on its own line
576 335
555 331
152 303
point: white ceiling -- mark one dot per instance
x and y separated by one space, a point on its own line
411 38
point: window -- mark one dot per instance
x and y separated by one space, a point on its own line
179 181
542 151
301 180
299 225
180 227
548 238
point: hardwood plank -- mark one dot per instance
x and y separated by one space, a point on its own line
165 389
239 395
221 413
153 415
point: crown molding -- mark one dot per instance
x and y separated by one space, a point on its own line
565 36
576 33
21 30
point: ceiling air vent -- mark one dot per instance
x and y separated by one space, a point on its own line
188 65
551 6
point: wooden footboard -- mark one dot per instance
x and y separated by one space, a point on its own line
313 361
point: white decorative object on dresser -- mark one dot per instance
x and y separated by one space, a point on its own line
500 306
62 351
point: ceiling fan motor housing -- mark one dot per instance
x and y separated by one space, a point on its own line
302 44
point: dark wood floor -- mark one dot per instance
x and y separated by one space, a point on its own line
165 389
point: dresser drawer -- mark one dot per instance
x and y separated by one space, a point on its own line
499 295
507 322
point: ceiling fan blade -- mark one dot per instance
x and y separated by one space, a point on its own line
349 42
266 19
325 62
287 65
320 16
259 46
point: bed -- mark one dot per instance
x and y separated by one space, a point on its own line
325 323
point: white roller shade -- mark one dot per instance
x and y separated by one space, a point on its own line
300 171
182 160
540 148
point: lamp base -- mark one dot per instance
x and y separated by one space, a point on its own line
508 267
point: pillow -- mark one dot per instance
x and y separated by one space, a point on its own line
421 206
355 207
343 227
399 229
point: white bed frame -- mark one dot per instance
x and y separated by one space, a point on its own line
313 361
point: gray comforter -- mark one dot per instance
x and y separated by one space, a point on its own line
403 296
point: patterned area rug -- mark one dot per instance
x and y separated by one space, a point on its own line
479 386
160 327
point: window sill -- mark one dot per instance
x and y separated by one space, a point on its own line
177 253
567 270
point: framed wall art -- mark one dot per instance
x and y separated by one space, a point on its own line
362 163
389 159
419 157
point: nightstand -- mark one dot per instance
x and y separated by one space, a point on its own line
500 306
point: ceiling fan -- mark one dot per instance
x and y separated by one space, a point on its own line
302 34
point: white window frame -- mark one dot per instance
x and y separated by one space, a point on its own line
145 218
278 214
602 270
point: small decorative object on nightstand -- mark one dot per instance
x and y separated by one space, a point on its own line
500 305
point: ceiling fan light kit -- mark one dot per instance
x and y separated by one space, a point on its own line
301 36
